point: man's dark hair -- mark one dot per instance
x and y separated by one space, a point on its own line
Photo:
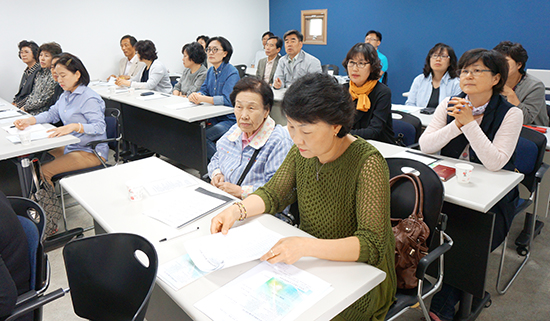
279 43
294 32
132 39
377 33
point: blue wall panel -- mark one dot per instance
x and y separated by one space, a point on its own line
411 28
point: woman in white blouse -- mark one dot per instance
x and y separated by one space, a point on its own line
481 126
155 75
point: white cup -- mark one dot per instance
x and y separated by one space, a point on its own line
463 172
25 137
135 190
132 90
112 90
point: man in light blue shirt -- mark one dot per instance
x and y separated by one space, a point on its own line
375 38
296 63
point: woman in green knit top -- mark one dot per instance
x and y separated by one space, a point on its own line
341 183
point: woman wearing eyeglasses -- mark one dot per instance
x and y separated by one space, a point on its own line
217 87
438 80
372 98
155 75
479 126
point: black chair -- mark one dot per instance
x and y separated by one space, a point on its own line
407 128
385 78
112 116
529 161
402 204
327 69
32 218
242 70
107 277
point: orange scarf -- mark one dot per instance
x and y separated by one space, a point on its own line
362 94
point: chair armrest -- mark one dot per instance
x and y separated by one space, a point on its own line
25 297
542 170
433 256
37 302
94 143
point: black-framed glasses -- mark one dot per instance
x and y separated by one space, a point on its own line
359 65
434 56
371 39
213 50
474 72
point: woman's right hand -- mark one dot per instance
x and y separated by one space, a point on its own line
225 220
217 180
24 123
176 93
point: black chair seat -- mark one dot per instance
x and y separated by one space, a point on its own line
407 298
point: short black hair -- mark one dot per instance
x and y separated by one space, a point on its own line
294 32
195 52
437 50
255 85
31 44
514 51
73 64
52 47
377 33
132 39
267 33
279 43
319 97
146 50
203 37
369 53
226 45
492 59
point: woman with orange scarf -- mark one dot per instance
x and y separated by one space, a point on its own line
373 118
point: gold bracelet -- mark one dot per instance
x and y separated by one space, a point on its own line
242 210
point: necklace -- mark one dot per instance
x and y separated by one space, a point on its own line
318 170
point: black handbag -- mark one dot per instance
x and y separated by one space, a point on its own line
44 194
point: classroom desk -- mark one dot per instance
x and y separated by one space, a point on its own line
251 71
10 150
177 134
470 225
111 209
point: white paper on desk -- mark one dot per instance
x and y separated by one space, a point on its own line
10 113
241 244
43 134
423 159
32 128
405 108
179 272
188 205
270 292
168 184
152 97
12 119
185 104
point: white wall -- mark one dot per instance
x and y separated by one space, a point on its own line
92 30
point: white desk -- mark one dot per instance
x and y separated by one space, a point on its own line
10 150
177 134
251 71
104 195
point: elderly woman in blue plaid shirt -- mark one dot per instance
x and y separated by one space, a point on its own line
254 133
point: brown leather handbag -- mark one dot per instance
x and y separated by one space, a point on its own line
410 236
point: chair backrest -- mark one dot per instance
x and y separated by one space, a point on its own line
529 155
406 127
241 69
112 120
385 78
542 74
330 69
33 219
107 278
403 195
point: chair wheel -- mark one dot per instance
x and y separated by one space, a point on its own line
523 251
488 304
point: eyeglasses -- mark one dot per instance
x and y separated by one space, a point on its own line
213 50
439 57
474 72
371 39
359 65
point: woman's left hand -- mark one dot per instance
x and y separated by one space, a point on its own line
63 130
195 98
461 111
288 250
123 82
232 189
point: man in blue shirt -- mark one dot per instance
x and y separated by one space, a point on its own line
375 38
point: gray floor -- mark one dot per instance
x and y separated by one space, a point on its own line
527 299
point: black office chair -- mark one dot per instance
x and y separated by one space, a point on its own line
385 78
407 129
529 161
242 70
107 277
112 116
402 204
327 69
33 220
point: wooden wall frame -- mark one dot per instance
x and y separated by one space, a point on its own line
314 26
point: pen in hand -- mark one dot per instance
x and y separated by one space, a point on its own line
178 235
